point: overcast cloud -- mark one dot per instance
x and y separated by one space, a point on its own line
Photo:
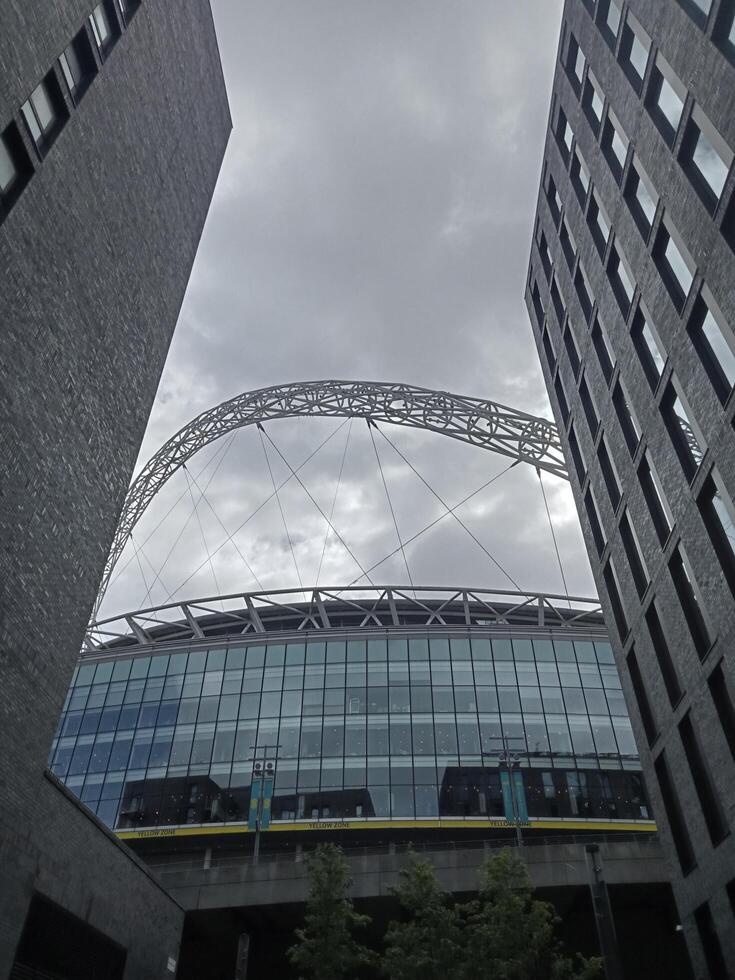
372 221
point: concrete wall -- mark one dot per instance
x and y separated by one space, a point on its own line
94 260
282 879
710 80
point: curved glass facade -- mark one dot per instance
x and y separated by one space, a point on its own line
369 726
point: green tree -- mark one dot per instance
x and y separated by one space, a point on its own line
427 944
325 948
510 935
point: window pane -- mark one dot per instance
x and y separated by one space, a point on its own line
678 265
42 105
710 164
670 104
30 118
721 350
7 170
101 23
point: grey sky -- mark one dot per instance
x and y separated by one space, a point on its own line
372 220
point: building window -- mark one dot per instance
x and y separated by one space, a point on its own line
538 306
577 457
572 350
634 554
608 18
553 199
128 9
655 498
15 168
705 158
714 342
590 409
562 399
665 101
690 600
674 263
674 815
698 10
684 432
629 425
549 349
615 145
612 586
575 63
718 689
609 473
564 135
557 300
641 696
648 344
568 244
44 113
663 657
641 198
580 176
635 47
104 27
78 66
709 801
593 102
621 279
543 248
584 291
718 515
710 941
603 348
724 33
599 224
593 516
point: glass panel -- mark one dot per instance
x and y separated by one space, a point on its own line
721 350
710 164
44 110
670 104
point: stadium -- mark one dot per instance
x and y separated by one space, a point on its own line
222 738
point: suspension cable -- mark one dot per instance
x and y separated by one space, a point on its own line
334 501
437 520
553 536
201 531
222 451
446 506
142 573
222 525
371 425
258 508
308 494
278 499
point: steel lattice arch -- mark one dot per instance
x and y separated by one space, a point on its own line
475 421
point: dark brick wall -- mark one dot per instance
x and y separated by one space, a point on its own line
710 79
94 260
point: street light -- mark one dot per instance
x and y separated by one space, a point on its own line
262 771
511 759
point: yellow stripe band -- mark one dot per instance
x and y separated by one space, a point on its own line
606 826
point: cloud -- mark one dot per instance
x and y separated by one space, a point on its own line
372 220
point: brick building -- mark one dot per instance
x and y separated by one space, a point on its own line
113 125
631 294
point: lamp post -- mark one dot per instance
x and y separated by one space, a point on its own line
511 759
262 770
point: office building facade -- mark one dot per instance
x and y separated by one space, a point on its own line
104 190
631 295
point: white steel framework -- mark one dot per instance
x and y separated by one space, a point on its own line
475 421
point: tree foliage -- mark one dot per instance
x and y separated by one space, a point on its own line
326 948
505 934
423 946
